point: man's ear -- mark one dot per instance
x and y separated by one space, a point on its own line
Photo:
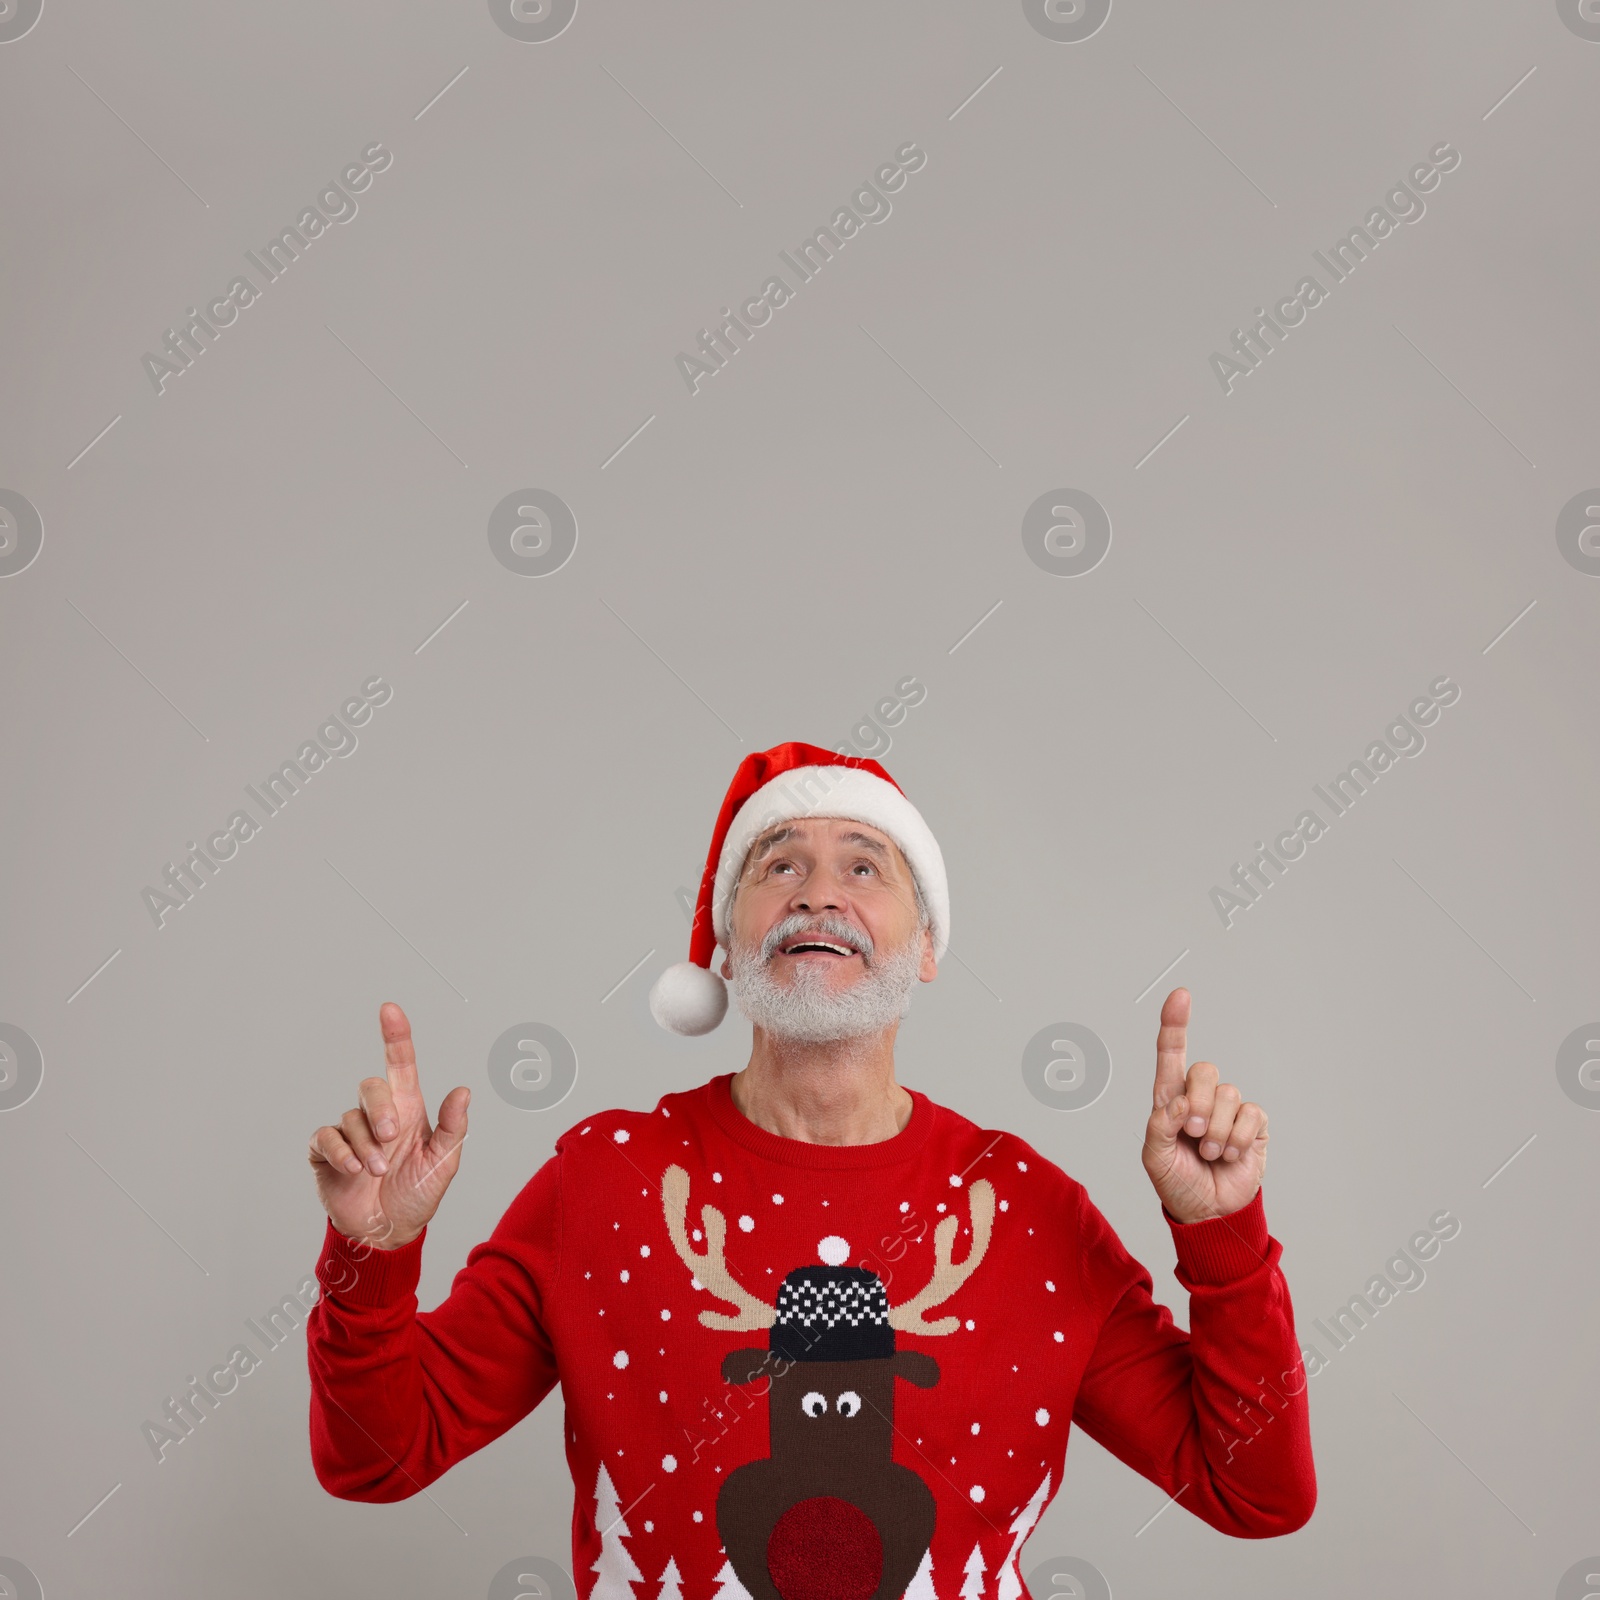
726 969
929 970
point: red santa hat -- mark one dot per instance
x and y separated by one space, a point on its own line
772 786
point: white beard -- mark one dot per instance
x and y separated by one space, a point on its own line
807 1012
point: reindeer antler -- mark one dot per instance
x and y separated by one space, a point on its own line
948 1276
711 1267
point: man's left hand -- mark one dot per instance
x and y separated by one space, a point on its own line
1205 1151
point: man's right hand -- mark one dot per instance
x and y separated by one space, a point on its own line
382 1171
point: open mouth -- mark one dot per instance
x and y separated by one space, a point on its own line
826 948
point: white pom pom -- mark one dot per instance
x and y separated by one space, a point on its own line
688 999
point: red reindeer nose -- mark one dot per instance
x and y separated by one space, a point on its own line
825 1548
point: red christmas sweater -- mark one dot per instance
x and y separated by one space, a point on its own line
798 1371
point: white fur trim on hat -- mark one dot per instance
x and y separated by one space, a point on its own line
835 792
688 999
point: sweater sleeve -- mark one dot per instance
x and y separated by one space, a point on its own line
1217 1417
398 1397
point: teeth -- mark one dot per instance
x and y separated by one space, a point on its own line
818 944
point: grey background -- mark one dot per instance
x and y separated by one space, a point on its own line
765 561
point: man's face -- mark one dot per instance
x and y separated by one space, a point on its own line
818 882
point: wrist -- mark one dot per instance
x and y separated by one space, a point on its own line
359 1272
381 1236
1190 1214
1220 1249
394 1241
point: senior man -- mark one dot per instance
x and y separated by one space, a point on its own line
818 1337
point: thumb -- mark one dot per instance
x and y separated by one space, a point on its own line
451 1128
1166 1122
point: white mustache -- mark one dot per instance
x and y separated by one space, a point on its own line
829 927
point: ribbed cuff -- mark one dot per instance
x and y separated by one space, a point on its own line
357 1274
1221 1249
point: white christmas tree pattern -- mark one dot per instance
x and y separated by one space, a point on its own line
616 1567
1010 1585
921 1586
671 1582
728 1585
972 1583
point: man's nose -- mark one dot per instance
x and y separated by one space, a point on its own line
818 893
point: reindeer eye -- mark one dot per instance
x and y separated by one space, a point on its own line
814 1404
848 1404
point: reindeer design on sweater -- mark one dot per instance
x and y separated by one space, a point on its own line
829 1514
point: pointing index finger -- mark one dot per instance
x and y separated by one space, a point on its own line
400 1059
1172 1048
